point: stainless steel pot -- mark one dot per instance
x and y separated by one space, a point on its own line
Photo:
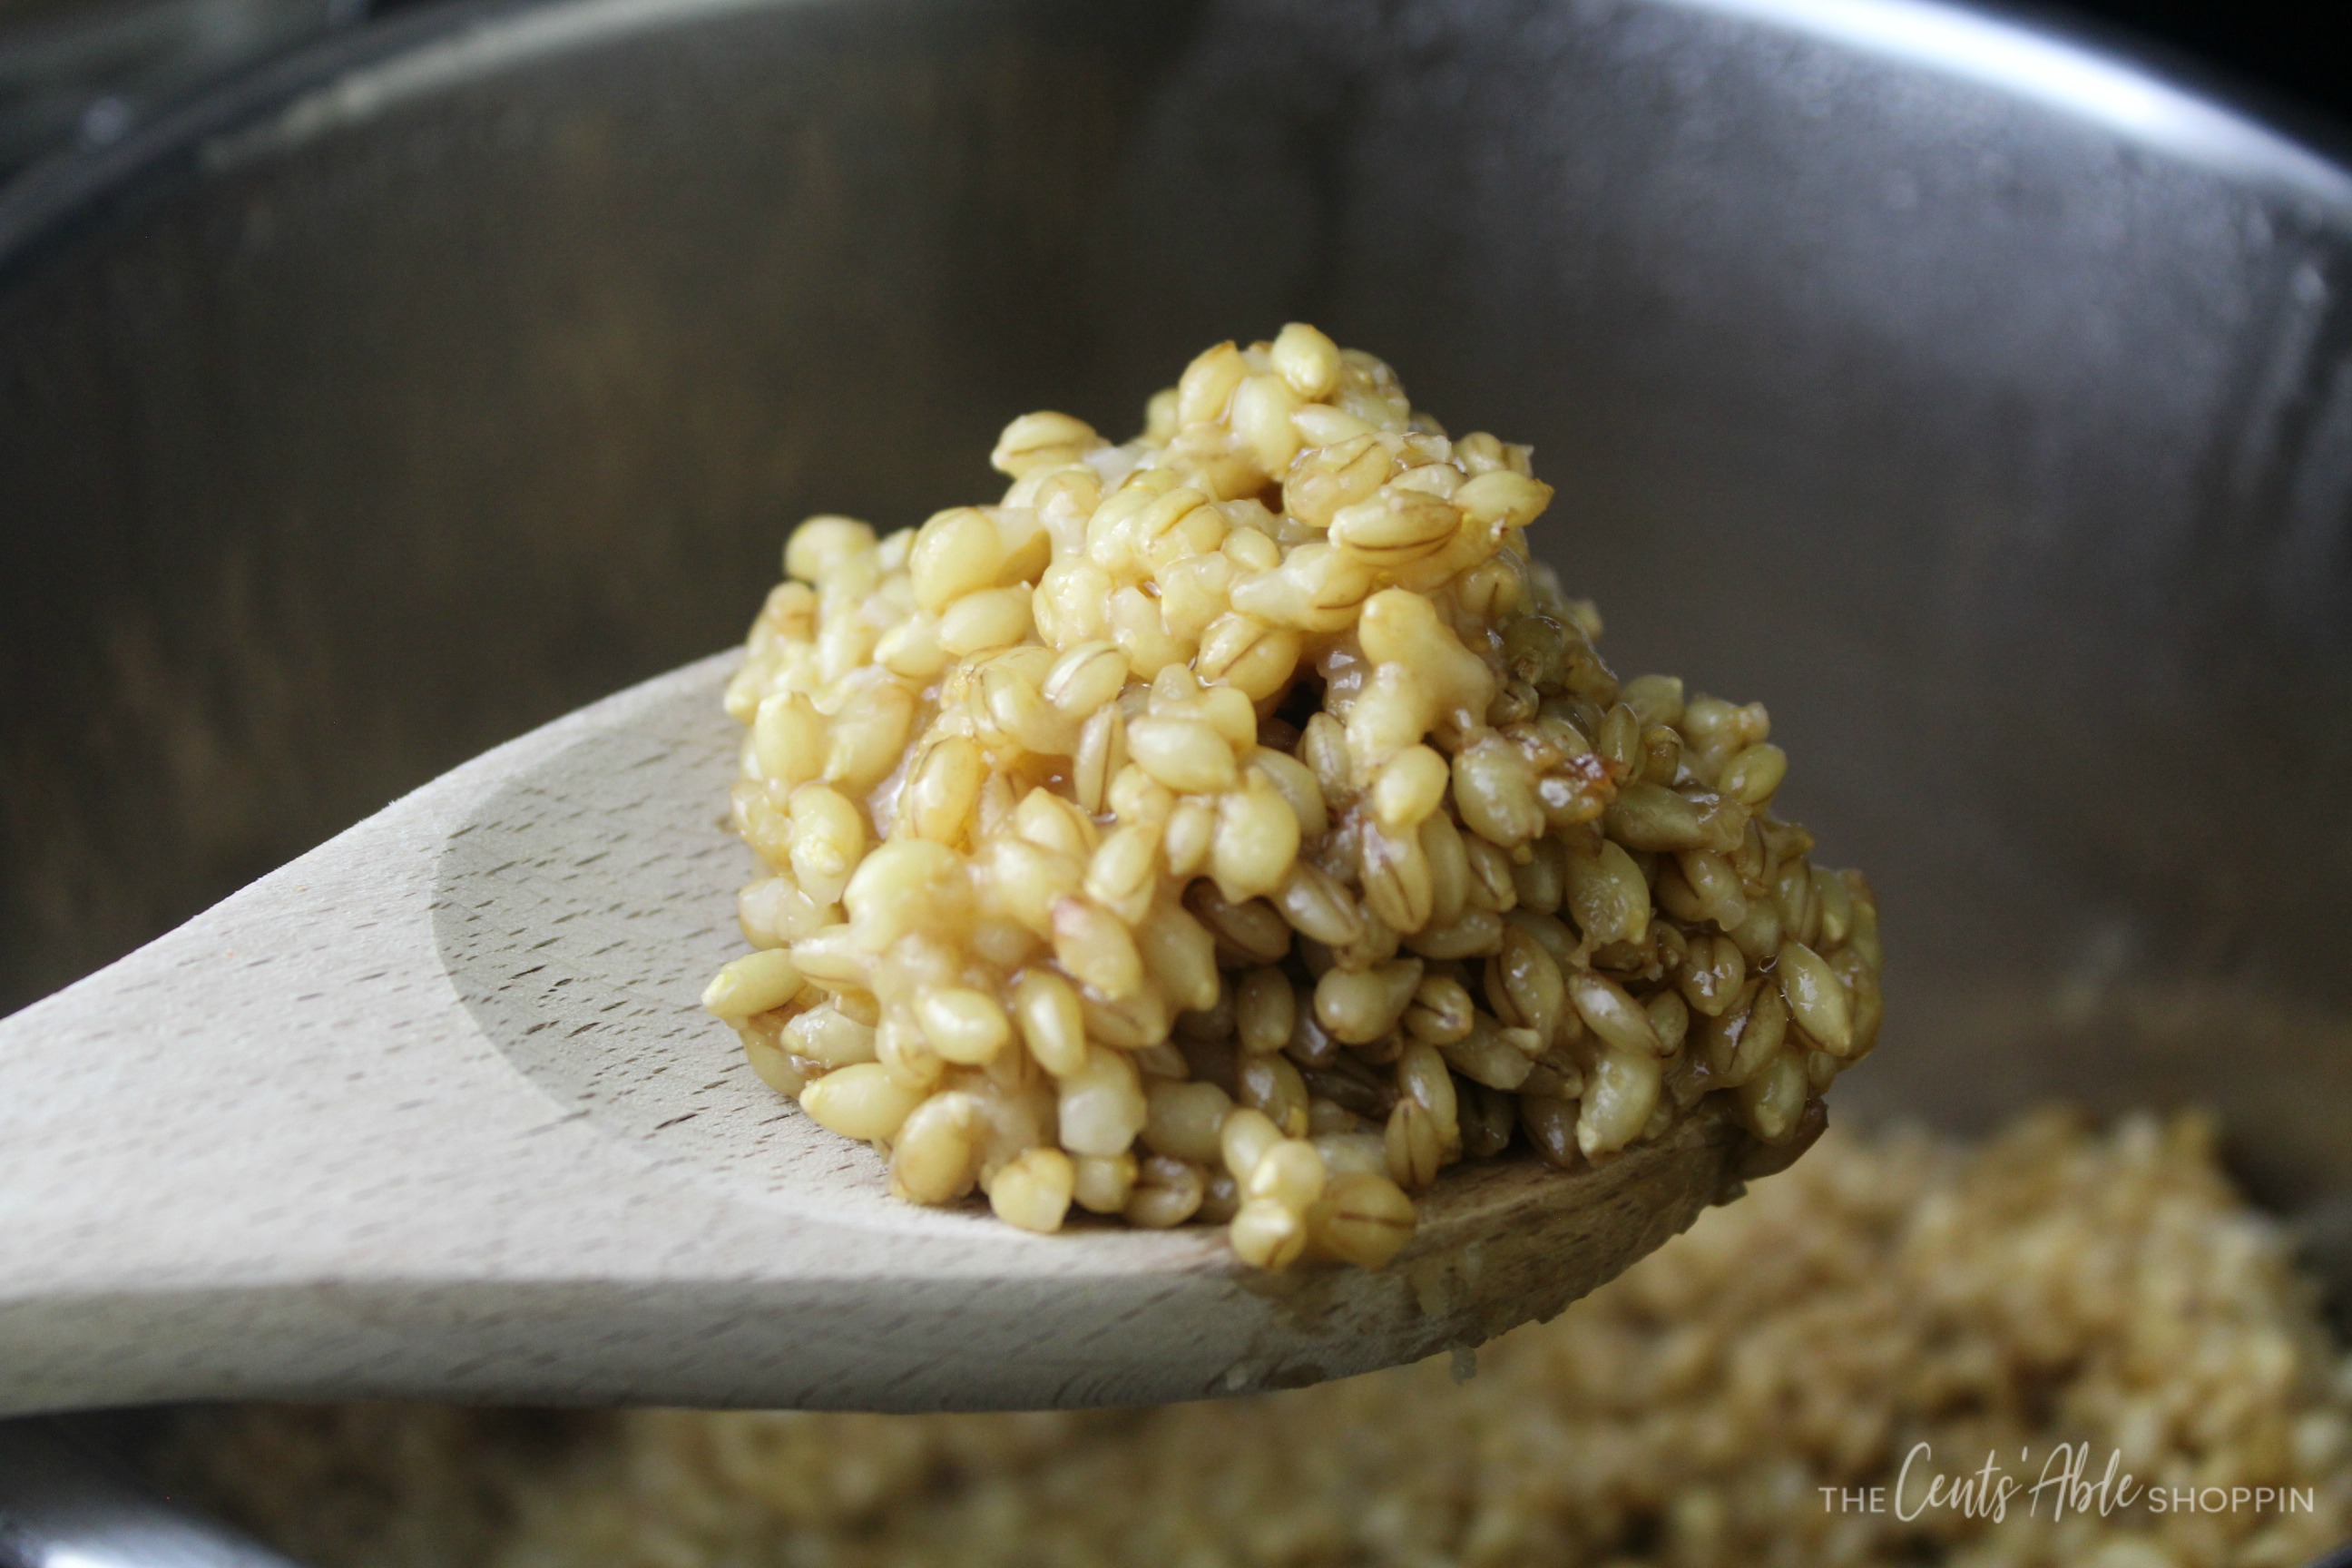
1983 405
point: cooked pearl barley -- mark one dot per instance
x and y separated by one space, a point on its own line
822 543
1245 1139
1652 816
1052 1025
1318 907
1414 1149
1085 678
862 1102
1755 774
1338 474
1396 528
1123 874
1868 1001
1775 1097
906 885
1669 1020
1612 1015
1268 1234
774 1066
1191 829
1291 1172
788 739
1550 1123
1758 1035
1034 1191
1256 841
1167 1193
1038 439
1254 931
994 618
1654 698
1102 1184
1617 1106
1441 1011
1101 1106
1308 360
1473 932
1492 885
1272 1086
963 1024
933 1151
1836 907
956 552
1815 999
1361 1006
1421 1074
1501 498
1489 1119
1715 885
1179 957
1185 1120
1096 947
866 738
1351 1152
1264 1011
753 984
1449 867
1490 1056
1607 895
1188 755
1121 836
1221 1198
1525 985
1712 974
1801 915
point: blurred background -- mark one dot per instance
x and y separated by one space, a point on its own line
86 72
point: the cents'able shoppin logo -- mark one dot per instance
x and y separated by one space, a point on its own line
2064 1484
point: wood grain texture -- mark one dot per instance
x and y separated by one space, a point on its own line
433 1112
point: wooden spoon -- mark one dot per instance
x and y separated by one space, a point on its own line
433 1112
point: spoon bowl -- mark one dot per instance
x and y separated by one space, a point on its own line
432 1112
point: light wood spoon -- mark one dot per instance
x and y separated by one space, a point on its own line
433 1112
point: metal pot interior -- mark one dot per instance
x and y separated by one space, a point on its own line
1983 408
